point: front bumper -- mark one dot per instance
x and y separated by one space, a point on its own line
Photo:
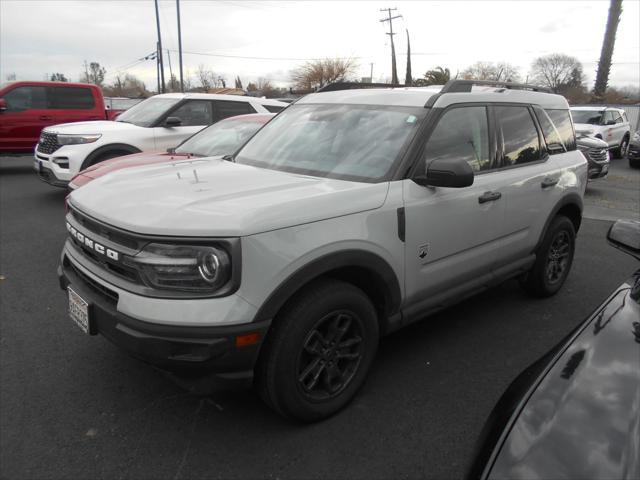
49 171
597 170
221 353
633 153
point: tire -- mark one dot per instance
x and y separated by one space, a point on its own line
634 163
553 259
305 371
621 151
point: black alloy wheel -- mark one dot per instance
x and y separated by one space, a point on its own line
553 259
330 355
558 258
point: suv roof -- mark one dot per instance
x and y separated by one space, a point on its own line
441 96
221 96
599 108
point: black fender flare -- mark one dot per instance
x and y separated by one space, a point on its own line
379 271
570 200
98 152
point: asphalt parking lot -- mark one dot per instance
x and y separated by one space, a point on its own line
73 406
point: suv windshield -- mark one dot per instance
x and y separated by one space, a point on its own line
351 142
146 113
593 117
223 138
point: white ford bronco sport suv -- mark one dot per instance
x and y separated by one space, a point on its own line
349 215
157 123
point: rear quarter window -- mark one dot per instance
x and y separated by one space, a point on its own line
273 108
562 121
71 98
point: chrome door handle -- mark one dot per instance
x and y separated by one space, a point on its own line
549 182
489 197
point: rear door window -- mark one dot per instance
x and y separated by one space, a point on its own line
520 140
26 98
194 113
226 109
71 98
462 133
551 135
562 121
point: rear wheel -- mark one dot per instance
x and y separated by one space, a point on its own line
621 151
553 259
318 351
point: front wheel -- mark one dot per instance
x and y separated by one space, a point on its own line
553 259
319 351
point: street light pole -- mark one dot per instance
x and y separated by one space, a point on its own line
160 62
180 47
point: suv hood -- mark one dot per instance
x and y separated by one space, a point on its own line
585 128
214 197
97 126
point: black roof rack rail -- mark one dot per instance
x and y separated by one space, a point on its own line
465 86
462 86
336 86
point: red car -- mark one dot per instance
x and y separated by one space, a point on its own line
28 107
221 138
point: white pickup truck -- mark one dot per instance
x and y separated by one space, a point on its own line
158 123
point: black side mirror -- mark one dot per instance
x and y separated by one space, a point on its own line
3 104
172 122
625 236
447 173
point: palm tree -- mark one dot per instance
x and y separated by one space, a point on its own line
437 76
604 66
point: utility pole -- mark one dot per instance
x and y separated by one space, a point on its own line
180 47
371 73
394 71
170 71
160 63
158 67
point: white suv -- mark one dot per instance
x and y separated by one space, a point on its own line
158 123
349 215
606 123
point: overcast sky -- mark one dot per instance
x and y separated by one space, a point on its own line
41 37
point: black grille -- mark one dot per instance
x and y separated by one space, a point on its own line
105 231
106 293
598 155
48 143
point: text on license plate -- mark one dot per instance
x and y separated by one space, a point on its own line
79 310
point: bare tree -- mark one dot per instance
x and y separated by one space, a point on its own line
322 72
11 77
501 71
58 77
93 73
206 77
127 86
604 66
557 71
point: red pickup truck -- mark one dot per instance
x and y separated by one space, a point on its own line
27 107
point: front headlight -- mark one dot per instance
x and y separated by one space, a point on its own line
190 268
64 139
636 136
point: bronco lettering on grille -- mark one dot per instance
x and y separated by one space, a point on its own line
91 244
